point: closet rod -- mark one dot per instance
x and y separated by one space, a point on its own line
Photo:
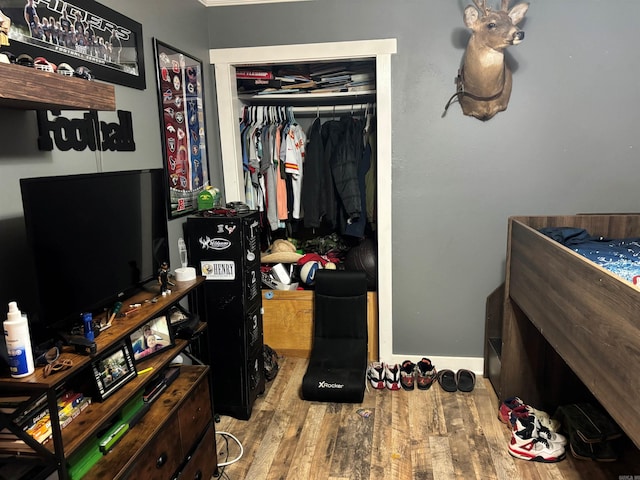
327 108
333 108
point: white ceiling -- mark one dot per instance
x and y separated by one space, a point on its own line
222 3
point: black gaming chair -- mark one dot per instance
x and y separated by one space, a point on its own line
338 363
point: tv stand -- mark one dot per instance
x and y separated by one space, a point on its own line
176 437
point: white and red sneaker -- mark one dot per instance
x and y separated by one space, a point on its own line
549 434
375 374
527 444
512 403
392 376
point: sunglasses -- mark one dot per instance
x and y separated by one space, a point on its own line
52 362
48 357
57 366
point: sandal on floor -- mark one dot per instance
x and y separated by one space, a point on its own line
466 380
447 380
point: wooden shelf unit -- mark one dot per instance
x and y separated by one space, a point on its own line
94 418
30 89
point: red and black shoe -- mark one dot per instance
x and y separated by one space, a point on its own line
408 375
426 374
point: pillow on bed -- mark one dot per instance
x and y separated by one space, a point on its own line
568 235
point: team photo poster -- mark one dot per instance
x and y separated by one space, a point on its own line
80 33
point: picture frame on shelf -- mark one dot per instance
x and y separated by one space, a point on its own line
183 129
113 369
183 323
153 337
89 35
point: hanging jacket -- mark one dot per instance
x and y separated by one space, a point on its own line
343 148
317 187
356 228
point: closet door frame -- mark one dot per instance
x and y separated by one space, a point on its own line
225 62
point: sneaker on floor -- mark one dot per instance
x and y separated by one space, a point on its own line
504 412
524 413
426 374
549 434
375 374
511 403
408 375
527 444
392 376
544 419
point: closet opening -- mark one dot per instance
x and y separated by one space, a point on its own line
374 106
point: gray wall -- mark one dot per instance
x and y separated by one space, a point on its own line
566 144
180 24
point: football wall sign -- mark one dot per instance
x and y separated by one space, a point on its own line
182 125
86 132
79 33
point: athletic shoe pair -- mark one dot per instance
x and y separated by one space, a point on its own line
392 377
533 442
424 374
506 407
382 375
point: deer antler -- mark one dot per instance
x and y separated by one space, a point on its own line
482 5
505 5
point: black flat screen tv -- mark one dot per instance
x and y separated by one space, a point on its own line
95 238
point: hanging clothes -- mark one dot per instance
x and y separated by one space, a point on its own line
324 179
281 181
356 227
294 165
317 189
371 179
270 172
343 150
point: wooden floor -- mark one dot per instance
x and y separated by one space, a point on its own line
415 435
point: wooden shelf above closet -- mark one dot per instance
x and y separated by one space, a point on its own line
30 89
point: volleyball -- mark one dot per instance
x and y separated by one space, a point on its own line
308 272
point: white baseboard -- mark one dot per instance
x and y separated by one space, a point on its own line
475 364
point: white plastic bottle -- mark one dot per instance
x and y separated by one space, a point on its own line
16 333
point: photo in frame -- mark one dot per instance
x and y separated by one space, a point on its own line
112 369
79 33
182 125
151 338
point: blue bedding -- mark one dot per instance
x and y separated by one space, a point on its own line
619 256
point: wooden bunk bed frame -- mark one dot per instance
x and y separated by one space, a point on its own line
570 329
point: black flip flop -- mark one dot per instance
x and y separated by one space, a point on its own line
447 380
466 380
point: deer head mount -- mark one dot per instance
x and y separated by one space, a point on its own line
484 81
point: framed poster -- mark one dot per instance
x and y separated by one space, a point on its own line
182 123
79 33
